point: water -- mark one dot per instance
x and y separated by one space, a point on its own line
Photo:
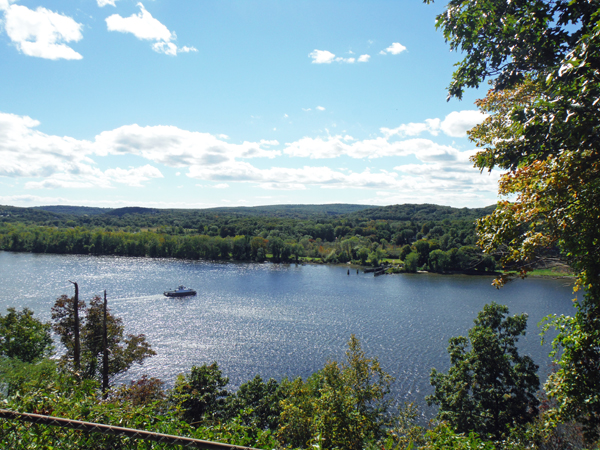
281 320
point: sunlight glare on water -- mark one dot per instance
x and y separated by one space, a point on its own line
281 320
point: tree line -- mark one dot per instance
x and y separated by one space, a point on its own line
439 246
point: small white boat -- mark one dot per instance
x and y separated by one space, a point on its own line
181 291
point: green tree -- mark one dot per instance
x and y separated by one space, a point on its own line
200 395
257 403
124 350
342 406
411 262
439 261
542 59
24 337
489 387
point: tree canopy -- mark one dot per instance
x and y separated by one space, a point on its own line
489 386
123 350
542 60
24 337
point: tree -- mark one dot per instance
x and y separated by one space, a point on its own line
489 386
341 406
124 350
411 262
439 261
544 117
200 395
24 337
257 403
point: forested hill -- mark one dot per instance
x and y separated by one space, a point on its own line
138 216
334 233
422 212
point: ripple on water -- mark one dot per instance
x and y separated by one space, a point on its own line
280 320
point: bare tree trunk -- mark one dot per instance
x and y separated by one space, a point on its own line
105 355
76 347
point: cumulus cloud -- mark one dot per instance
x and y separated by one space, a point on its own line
102 3
321 56
145 27
26 152
292 178
175 147
455 124
364 58
395 49
338 145
41 33
413 129
320 108
326 57
53 162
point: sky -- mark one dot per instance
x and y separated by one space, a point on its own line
198 104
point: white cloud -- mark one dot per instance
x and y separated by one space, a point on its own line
320 108
364 58
413 129
175 147
457 123
321 56
52 162
41 33
91 177
102 3
454 124
338 145
26 152
145 27
395 49
326 57
292 178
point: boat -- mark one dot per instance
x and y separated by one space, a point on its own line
181 291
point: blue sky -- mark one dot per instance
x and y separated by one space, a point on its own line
193 104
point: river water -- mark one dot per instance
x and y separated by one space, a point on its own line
282 320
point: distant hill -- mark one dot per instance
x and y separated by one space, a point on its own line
74 210
192 218
120 212
422 212
292 211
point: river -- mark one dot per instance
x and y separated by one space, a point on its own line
282 320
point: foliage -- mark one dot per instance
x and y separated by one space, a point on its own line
241 234
23 337
411 262
542 57
257 404
145 391
341 406
403 433
489 386
123 350
56 393
15 374
200 395
444 437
